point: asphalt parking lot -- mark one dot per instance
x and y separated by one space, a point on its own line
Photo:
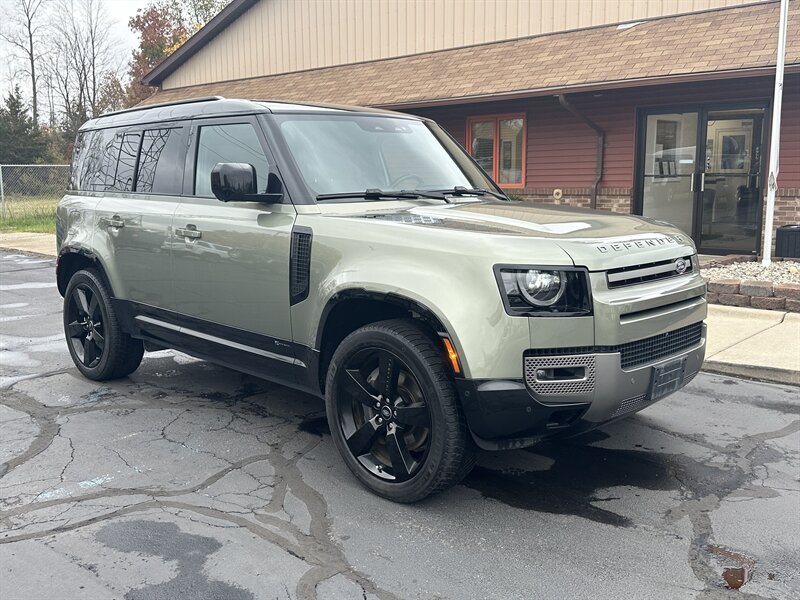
188 480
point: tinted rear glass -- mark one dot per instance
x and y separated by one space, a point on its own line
126 166
95 160
160 164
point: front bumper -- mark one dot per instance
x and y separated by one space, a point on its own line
573 390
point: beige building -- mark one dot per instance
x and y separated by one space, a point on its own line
282 36
655 107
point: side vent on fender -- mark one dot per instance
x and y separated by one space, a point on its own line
299 264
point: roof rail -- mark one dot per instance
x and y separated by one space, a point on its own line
162 104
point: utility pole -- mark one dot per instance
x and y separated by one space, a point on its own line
775 136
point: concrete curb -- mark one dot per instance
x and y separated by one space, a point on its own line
37 243
26 252
765 374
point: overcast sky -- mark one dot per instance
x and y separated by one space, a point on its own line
118 11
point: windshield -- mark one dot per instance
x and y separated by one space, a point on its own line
352 153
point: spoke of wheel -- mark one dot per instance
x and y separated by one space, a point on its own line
75 329
402 462
93 306
388 372
362 390
89 352
414 415
99 340
361 441
83 304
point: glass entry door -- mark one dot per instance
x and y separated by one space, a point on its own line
730 182
669 168
701 171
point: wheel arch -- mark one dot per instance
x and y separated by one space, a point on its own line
72 259
349 309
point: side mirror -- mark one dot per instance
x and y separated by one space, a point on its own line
236 182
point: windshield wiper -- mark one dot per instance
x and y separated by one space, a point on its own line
376 194
460 190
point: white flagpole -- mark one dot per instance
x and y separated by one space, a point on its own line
775 136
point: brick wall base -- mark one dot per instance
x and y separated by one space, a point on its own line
612 199
755 294
787 211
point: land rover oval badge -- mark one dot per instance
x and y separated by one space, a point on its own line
680 266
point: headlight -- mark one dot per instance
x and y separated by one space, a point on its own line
541 288
538 291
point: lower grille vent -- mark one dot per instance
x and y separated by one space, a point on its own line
640 352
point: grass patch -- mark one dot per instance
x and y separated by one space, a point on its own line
36 214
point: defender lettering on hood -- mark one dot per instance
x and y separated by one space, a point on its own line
666 240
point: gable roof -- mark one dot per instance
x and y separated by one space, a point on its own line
716 44
221 20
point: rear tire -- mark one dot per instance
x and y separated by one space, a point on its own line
394 414
96 342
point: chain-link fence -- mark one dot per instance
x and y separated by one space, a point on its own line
29 195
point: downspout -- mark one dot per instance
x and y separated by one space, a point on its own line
601 136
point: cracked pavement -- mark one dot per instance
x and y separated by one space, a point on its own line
191 480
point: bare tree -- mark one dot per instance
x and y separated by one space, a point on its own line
81 62
22 29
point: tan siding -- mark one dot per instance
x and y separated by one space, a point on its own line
281 36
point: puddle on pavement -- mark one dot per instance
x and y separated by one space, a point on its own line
578 471
169 542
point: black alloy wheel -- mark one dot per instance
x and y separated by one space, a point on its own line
85 325
386 423
393 411
96 342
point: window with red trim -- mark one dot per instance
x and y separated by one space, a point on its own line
497 143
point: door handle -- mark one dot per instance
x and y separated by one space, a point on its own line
691 183
189 232
703 181
115 222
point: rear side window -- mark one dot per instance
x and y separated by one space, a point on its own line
126 165
96 160
159 171
234 143
78 156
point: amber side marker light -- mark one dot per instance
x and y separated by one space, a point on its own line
452 355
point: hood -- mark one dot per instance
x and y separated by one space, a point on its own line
594 239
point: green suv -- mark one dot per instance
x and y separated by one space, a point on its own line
364 257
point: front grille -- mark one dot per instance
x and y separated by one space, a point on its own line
640 352
661 346
647 272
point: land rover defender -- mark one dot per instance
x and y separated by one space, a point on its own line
364 257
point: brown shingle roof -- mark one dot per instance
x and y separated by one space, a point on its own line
727 42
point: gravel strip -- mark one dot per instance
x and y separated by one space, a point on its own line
778 272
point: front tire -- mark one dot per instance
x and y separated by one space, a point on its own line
96 342
394 414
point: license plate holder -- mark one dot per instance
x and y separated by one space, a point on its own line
667 378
